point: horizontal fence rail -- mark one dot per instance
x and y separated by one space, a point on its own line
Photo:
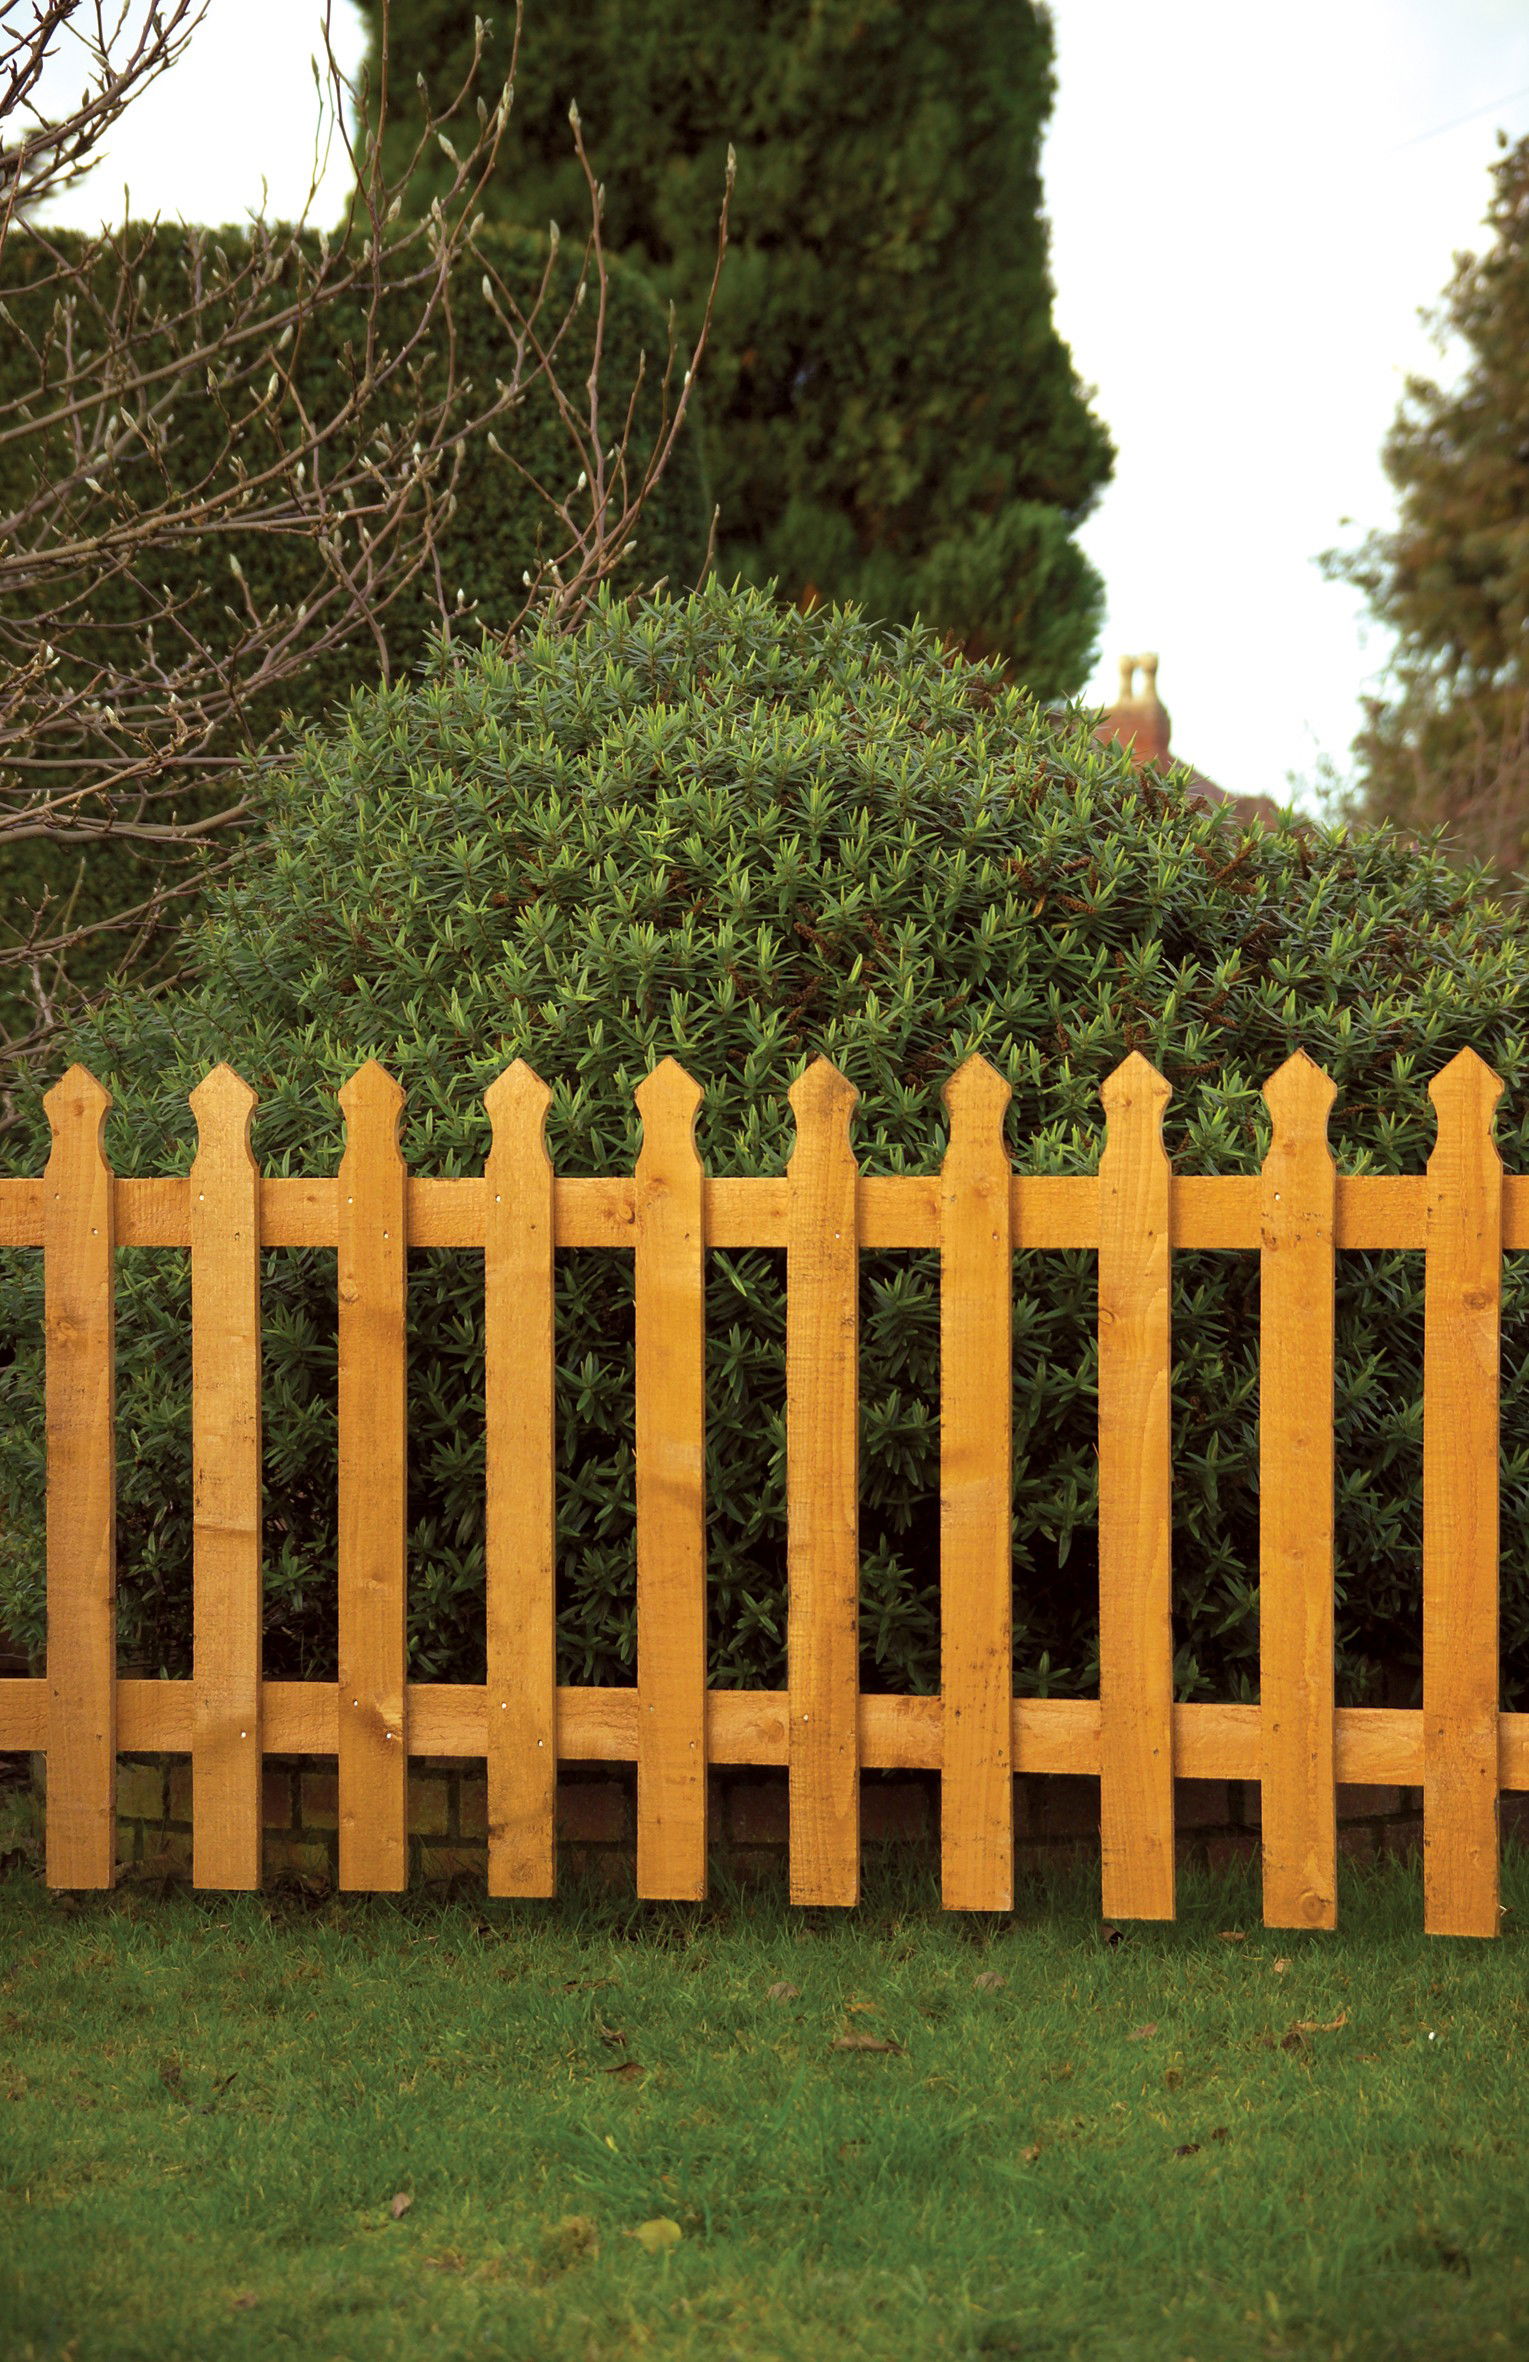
1297 1214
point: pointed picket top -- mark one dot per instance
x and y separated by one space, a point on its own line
74 1099
668 1100
1299 1096
1465 1094
372 1103
1135 1085
823 1099
223 1103
516 1102
976 1101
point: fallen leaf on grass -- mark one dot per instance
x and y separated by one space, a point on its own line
1280 1967
1320 2025
245 2301
611 2034
1220 2133
655 2236
1141 2033
1028 2156
865 2042
400 2203
1231 1935
990 1981
628 2071
573 2240
784 1992
1187 2149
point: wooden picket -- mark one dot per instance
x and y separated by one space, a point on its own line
1135 1486
671 1492
226 1746
79 1304
373 1243
1295 1491
822 1491
1299 1214
1462 1296
520 1510
976 1496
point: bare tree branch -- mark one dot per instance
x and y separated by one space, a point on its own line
135 710
41 155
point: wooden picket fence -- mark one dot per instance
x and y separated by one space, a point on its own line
1296 1215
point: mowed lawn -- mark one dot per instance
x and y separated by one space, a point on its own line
433 2128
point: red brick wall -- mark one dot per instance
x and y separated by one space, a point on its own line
1056 1818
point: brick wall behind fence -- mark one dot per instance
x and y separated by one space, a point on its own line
1057 1819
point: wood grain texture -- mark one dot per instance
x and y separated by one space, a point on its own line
671 1491
976 1497
1135 1499
521 1505
1380 1746
373 1242
823 1491
1295 1494
895 1210
227 1742
79 1322
1462 1299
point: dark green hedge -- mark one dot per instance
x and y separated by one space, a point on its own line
744 836
485 549
892 417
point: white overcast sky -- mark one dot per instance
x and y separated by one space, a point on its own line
1249 208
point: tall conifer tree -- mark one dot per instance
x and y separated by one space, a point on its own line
891 415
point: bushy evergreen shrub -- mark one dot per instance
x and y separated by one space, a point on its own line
743 835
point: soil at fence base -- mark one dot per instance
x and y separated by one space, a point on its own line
1056 1818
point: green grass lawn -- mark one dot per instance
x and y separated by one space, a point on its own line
1176 2144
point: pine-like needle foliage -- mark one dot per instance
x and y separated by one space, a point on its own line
741 835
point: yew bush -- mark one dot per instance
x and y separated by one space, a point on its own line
709 827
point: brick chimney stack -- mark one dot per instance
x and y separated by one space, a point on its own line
1139 722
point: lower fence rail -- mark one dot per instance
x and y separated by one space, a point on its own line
1372 1746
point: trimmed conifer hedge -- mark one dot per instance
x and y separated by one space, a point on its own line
892 417
711 827
501 522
